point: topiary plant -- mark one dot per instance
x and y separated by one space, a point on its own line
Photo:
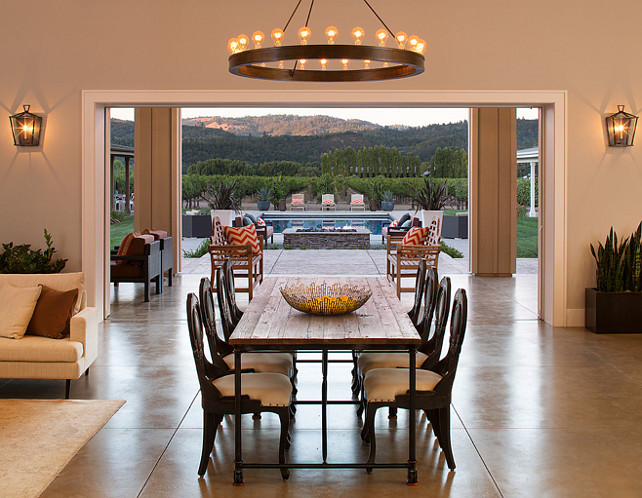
23 259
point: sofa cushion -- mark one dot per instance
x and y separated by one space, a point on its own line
52 313
34 348
404 218
252 217
16 307
58 281
158 234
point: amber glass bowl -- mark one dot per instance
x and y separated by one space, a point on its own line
323 299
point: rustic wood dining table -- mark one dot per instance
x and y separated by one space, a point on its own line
270 324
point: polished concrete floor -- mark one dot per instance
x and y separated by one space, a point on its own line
537 411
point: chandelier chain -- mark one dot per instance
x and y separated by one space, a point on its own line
379 17
292 15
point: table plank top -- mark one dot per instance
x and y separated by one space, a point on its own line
269 320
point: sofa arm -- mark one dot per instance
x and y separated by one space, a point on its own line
84 329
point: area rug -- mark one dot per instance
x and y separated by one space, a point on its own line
39 437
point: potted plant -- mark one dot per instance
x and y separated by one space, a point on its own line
387 200
223 201
432 197
375 193
615 304
263 195
23 259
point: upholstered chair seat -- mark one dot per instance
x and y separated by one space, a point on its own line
264 362
270 389
383 384
370 361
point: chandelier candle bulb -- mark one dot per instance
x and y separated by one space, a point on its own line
243 41
277 36
358 34
330 33
382 36
304 35
401 37
257 38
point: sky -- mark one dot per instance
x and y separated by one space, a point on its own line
380 116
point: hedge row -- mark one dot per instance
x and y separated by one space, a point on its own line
314 187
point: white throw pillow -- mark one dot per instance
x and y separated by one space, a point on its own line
16 307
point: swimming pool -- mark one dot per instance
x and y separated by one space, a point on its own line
282 220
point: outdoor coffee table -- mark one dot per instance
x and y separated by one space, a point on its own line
270 323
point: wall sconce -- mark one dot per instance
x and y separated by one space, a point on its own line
25 127
621 128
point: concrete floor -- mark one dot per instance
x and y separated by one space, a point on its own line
537 411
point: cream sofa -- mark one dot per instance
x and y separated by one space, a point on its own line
35 357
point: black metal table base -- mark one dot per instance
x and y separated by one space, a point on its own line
411 464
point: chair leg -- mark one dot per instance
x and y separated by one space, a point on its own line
159 284
444 436
87 372
362 403
355 373
285 427
146 298
170 277
392 412
67 388
209 432
370 418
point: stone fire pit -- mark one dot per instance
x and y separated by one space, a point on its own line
327 238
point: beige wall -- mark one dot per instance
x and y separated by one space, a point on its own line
492 45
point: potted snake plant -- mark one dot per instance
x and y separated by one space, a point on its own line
263 196
432 197
615 304
387 201
223 201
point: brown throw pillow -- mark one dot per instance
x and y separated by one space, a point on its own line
53 313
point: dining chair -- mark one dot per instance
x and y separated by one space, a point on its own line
260 392
390 387
437 301
259 362
420 284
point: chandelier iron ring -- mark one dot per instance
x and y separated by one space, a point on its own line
404 63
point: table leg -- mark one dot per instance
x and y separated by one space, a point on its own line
238 453
412 381
324 405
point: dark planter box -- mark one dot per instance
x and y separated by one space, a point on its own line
455 227
199 226
387 205
263 205
613 312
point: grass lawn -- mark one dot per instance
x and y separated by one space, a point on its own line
119 230
526 237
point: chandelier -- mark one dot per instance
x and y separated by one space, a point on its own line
327 62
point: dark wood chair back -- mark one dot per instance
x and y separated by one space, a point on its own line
420 283
208 317
224 305
432 346
447 367
235 312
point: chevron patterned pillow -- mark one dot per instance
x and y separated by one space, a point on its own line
243 236
416 236
126 246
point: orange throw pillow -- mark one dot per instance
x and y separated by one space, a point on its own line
52 313
126 246
416 236
243 236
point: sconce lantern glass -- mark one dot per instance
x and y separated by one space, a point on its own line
25 127
621 128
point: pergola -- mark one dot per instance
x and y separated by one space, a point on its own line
127 153
530 156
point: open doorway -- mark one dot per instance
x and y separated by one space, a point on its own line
223 144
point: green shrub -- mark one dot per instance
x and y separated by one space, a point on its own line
201 250
451 251
23 259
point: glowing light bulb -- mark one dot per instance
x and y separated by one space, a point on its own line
26 128
277 36
420 47
243 41
345 63
401 38
412 41
358 34
233 45
324 63
257 38
382 36
330 33
366 63
304 35
302 63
